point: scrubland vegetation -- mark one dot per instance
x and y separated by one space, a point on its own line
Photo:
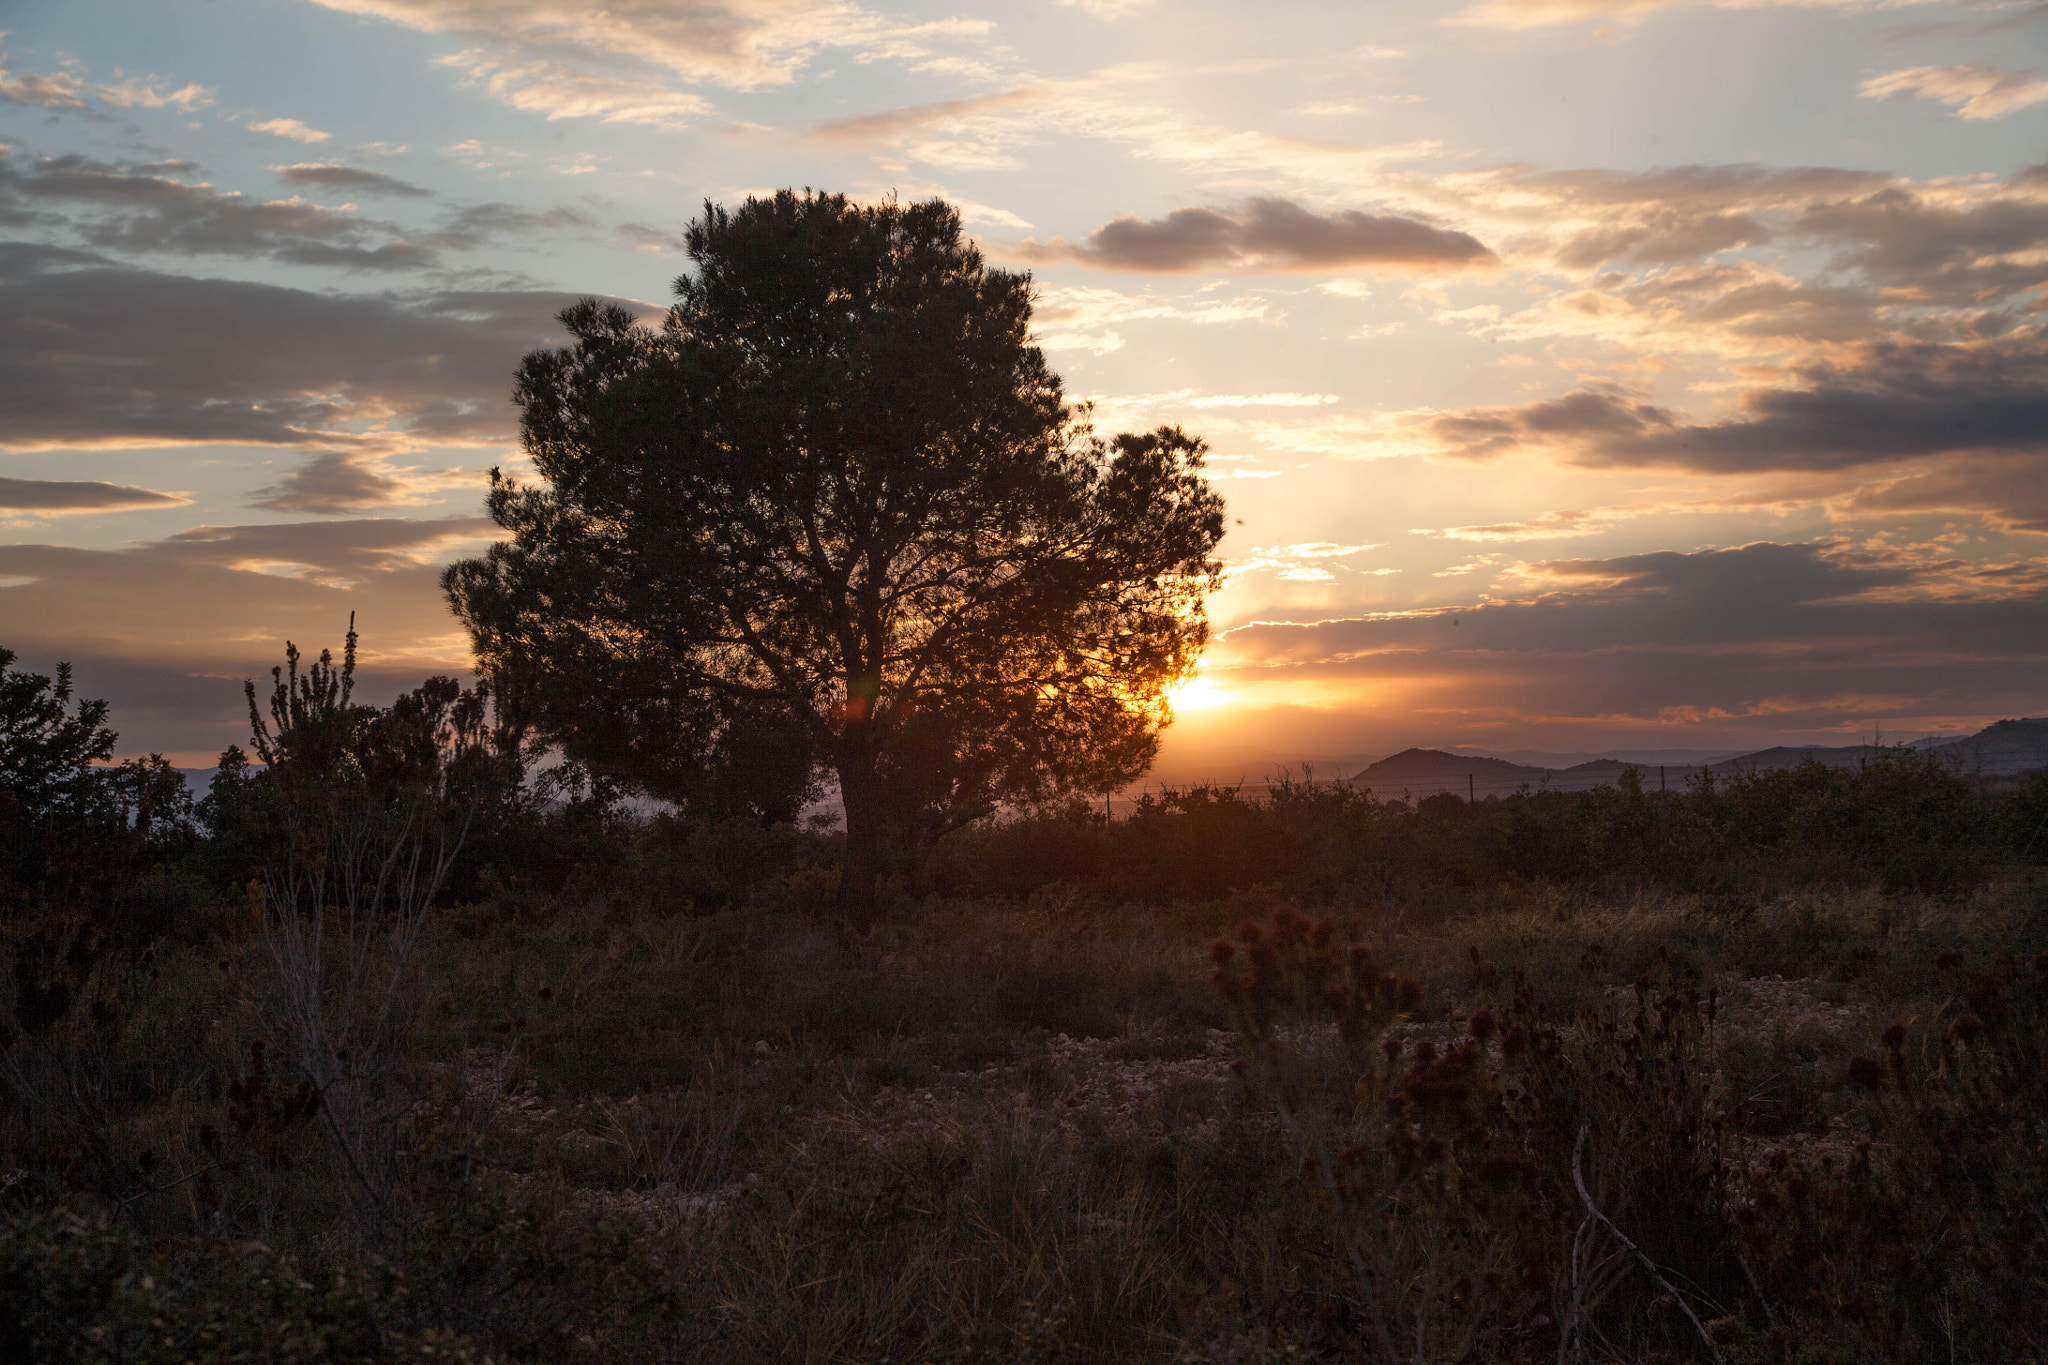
404 1045
379 1053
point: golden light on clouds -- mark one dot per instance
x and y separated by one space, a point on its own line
1564 363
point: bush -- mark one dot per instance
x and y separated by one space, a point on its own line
78 1288
1473 1184
1903 822
1956 1127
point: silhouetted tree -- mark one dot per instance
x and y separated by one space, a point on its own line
48 745
836 507
440 737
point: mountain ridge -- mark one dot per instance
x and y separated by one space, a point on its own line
2004 748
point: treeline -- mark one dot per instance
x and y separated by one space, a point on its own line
127 845
1904 821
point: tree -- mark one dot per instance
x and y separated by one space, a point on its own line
835 508
46 752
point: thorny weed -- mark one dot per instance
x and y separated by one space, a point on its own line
1443 1179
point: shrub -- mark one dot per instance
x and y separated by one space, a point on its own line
79 1289
1928 1238
1475 1181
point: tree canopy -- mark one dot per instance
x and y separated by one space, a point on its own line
834 513
47 752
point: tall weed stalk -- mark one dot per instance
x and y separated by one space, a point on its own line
365 812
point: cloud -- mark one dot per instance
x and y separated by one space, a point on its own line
335 552
1297 563
98 355
326 176
1668 237
288 128
1885 402
481 224
211 606
558 91
1765 637
1261 400
972 134
59 90
636 61
1144 408
1874 254
972 214
1584 219
1095 343
67 90
144 209
2017 16
1266 234
1976 91
2008 490
147 94
653 240
1574 523
1696 188
1523 14
1469 566
341 481
891 126
1318 549
1559 525
1517 14
1733 311
1959 252
1933 259
335 481
983 132
1107 9
55 496
1079 318
1086 306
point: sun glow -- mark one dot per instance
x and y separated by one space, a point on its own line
1200 693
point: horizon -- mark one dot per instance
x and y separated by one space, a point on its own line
1582 375
1181 769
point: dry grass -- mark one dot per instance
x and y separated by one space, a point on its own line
1001 1131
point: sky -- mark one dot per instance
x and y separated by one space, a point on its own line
1580 374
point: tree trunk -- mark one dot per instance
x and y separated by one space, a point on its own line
860 794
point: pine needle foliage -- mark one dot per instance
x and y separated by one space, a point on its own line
835 514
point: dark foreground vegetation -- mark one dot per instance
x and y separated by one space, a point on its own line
388 1051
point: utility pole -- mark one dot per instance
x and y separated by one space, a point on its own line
1469 795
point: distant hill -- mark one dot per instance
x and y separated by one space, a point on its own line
1786 756
1415 773
1426 772
1228 765
1677 758
2004 749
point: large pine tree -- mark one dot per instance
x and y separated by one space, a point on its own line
835 514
